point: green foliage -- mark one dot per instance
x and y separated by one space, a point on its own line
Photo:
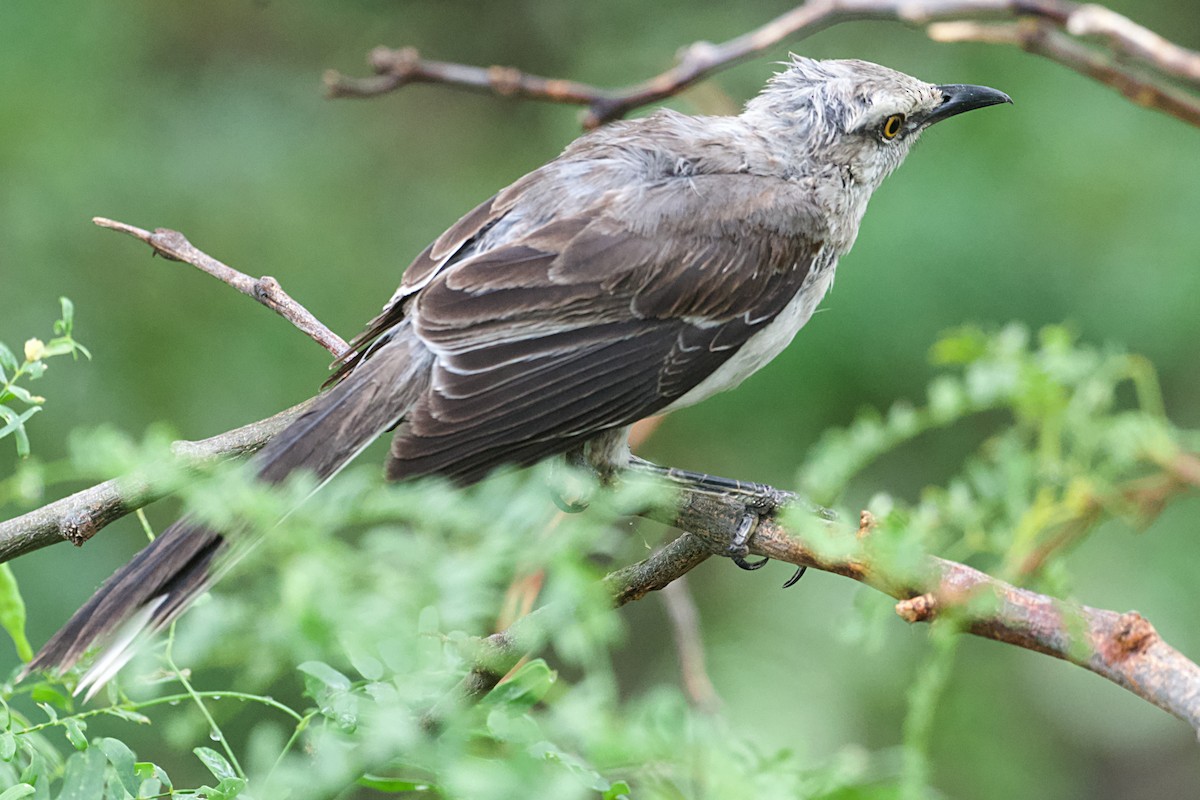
18 404
1067 439
368 636
1073 428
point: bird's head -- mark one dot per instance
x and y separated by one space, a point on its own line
856 116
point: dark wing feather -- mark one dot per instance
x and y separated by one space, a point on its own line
455 243
585 325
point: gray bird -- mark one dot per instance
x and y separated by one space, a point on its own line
654 263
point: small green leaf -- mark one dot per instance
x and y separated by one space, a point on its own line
525 688
321 681
326 675
149 771
37 769
225 790
127 715
383 784
25 396
84 778
14 420
618 791
64 325
50 712
8 361
331 690
58 347
16 426
216 763
12 612
46 693
8 746
74 729
123 763
17 792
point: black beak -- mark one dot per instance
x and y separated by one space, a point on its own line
960 97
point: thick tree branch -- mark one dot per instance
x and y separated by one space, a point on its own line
1051 28
1124 648
81 516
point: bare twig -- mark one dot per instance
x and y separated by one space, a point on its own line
395 69
1043 40
174 245
1122 37
1130 39
685 624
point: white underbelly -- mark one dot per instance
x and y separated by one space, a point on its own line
764 345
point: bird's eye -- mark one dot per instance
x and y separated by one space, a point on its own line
892 126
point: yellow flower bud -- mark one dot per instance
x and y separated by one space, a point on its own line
34 350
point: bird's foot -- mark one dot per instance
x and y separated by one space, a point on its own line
739 543
760 501
757 508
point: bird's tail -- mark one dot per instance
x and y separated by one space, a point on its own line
164 578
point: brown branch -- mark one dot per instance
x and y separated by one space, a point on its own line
1128 38
174 246
1043 40
1123 648
81 516
493 657
1122 37
395 69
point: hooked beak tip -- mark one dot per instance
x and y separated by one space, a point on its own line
960 97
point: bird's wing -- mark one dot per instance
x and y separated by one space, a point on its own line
598 319
456 242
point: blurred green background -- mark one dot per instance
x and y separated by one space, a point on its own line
1073 205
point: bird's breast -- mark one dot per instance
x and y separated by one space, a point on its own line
769 342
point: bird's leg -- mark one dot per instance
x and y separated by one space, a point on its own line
760 500
605 456
568 492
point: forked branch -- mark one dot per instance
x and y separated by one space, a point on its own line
1090 39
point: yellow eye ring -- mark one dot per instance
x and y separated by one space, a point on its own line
892 126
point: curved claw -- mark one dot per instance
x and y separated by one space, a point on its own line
749 566
792 580
737 544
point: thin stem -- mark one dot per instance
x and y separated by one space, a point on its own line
195 696
923 700
149 531
167 699
301 726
